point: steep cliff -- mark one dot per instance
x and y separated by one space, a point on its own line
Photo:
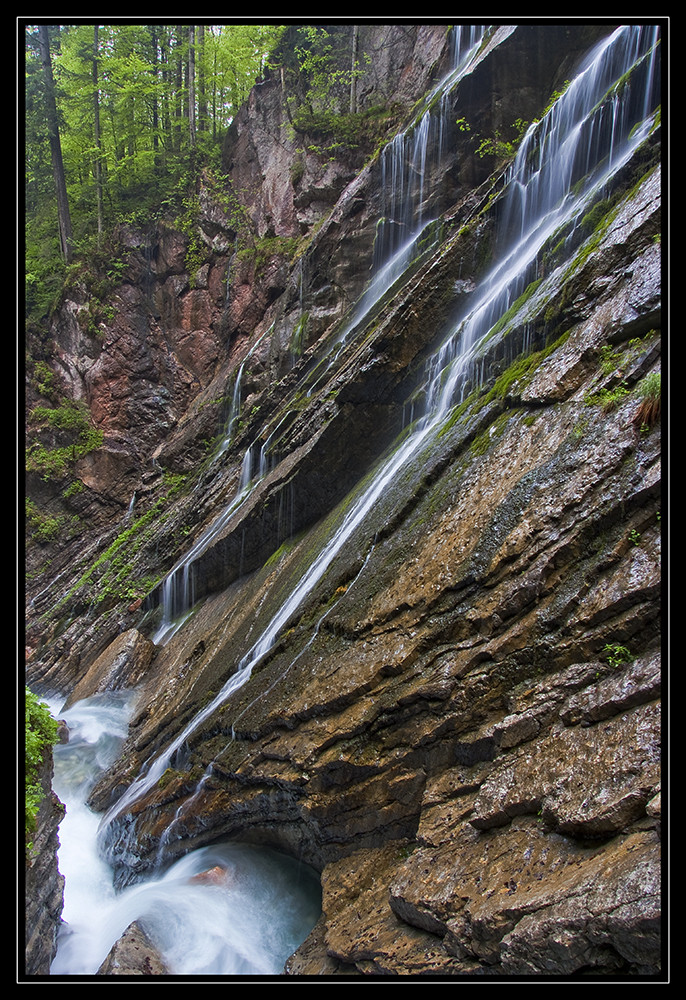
43 883
410 527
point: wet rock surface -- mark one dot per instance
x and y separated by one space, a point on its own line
460 726
43 882
134 954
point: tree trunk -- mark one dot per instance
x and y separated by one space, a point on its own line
202 92
155 101
353 71
96 131
63 216
191 84
179 104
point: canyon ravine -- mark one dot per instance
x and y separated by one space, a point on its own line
374 531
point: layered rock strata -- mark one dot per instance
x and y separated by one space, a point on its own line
459 726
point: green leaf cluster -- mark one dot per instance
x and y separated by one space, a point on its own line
40 736
129 142
71 436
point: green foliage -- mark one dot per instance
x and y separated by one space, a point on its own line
43 378
323 61
649 392
187 223
72 437
650 388
608 398
504 147
40 736
556 94
42 527
501 147
609 359
616 655
322 67
521 369
335 132
144 148
111 574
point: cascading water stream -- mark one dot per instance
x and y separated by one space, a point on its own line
229 909
404 168
562 164
548 208
408 155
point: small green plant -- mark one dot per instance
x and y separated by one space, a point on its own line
616 654
42 527
501 147
43 378
635 537
649 391
579 429
187 223
608 399
609 359
41 734
556 94
69 420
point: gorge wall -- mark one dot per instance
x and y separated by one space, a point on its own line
423 654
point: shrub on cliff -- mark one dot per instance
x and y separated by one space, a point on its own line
41 734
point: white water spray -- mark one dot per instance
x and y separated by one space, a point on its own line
229 909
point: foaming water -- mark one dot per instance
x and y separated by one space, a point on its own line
245 917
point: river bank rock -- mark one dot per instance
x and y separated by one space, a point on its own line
43 882
133 954
122 665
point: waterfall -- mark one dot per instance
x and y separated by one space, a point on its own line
234 412
177 588
564 161
534 182
236 400
246 923
404 163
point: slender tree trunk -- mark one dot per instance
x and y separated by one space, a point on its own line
96 131
155 102
202 94
63 215
191 84
179 103
353 73
165 50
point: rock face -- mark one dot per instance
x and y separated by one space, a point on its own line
122 665
133 955
43 883
457 721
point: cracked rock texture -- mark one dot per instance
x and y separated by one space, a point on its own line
459 728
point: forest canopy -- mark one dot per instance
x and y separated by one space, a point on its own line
118 118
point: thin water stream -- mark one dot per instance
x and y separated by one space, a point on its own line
403 184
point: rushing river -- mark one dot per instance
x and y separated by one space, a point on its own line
247 924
